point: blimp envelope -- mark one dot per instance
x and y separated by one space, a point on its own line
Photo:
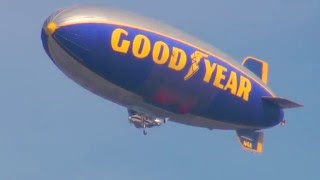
160 73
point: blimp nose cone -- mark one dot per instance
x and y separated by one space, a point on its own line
82 41
50 28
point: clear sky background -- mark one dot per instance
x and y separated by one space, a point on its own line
51 128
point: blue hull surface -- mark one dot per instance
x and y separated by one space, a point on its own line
169 73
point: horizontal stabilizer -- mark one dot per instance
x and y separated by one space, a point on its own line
281 102
258 67
251 140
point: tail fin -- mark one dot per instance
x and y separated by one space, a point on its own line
251 140
258 67
281 102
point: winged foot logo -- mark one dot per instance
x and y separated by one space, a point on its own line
196 57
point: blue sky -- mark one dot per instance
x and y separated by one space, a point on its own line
51 128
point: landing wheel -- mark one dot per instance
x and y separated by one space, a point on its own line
144 126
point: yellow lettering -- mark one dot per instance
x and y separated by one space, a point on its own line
244 88
141 46
157 56
116 45
247 144
219 76
209 70
178 59
232 83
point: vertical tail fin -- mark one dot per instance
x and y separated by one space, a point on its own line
258 67
251 140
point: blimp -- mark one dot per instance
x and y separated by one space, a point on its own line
160 73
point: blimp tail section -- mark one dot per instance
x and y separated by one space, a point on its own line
251 140
258 67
